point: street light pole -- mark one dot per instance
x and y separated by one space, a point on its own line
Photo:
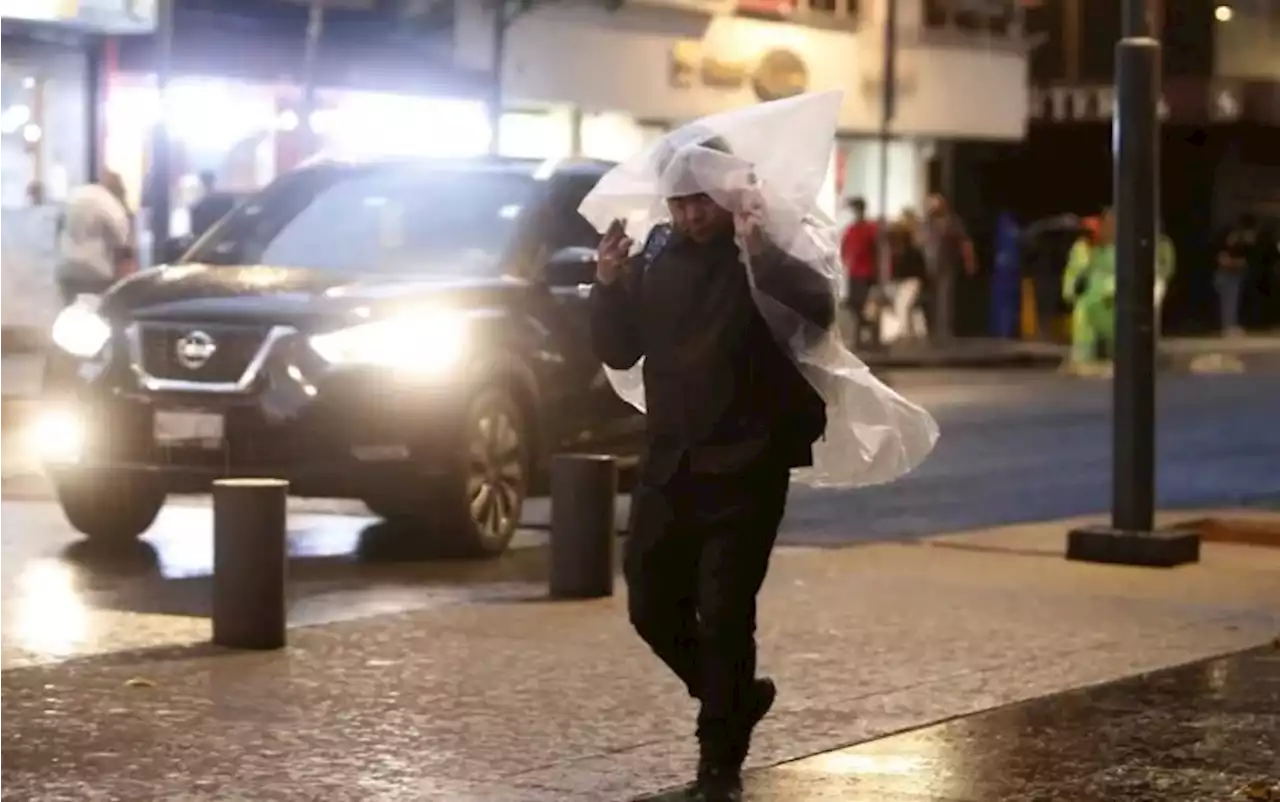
310 59
161 200
1132 539
888 102
1135 172
501 20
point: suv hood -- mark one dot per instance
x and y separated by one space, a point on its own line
286 295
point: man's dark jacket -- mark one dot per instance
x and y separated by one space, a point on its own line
719 388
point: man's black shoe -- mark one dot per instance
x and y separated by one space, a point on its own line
717 782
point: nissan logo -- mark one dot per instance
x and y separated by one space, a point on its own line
195 350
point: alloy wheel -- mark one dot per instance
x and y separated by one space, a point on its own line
496 474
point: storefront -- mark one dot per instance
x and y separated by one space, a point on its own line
44 121
52 63
658 65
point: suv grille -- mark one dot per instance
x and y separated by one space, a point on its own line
233 348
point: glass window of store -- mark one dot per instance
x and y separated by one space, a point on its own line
44 121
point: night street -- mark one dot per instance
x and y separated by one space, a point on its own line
1036 446
1016 446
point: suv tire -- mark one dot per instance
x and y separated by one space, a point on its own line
472 509
107 508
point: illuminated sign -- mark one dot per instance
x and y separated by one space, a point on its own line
1182 101
776 74
103 16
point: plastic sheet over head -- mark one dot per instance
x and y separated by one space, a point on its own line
767 164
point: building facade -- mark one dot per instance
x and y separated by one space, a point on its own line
614 77
1220 109
52 63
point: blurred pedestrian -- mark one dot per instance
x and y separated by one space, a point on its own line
914 227
1006 278
95 239
212 206
948 250
910 276
858 254
1166 266
728 415
1239 255
1089 287
36 197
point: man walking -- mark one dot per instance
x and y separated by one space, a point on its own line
858 254
95 239
728 416
948 249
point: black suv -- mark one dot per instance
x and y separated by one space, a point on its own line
413 334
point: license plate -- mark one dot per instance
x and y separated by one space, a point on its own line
186 428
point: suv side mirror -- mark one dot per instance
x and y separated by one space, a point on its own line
569 267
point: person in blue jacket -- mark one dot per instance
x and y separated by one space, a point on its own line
1006 278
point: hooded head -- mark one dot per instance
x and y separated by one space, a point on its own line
694 213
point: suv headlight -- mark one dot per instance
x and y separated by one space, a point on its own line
425 344
80 331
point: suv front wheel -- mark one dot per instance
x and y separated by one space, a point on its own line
472 508
106 507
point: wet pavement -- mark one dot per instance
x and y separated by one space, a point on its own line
523 700
1204 732
64 597
1015 446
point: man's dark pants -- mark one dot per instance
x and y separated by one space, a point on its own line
858 293
696 557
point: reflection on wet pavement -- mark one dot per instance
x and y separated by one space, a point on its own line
64 596
1207 731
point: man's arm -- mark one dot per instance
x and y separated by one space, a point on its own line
796 285
118 233
615 322
967 254
1077 269
1166 258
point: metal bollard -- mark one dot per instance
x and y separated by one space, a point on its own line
250 562
584 490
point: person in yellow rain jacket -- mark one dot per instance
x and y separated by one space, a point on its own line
1166 264
1089 285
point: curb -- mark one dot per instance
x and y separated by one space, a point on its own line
1254 531
1022 361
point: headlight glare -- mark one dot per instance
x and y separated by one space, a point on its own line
80 331
423 344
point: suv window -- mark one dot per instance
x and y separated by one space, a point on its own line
375 220
568 228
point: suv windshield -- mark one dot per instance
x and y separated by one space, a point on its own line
391 220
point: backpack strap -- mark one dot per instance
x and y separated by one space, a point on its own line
659 237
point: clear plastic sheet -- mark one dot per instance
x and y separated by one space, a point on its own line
767 163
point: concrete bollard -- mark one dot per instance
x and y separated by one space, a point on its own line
250 563
584 491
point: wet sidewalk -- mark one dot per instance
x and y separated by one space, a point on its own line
517 699
1207 731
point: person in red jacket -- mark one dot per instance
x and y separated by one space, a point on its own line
858 253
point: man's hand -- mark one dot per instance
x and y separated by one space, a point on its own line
748 221
612 253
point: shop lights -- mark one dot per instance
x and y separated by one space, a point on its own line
205 114
14 118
